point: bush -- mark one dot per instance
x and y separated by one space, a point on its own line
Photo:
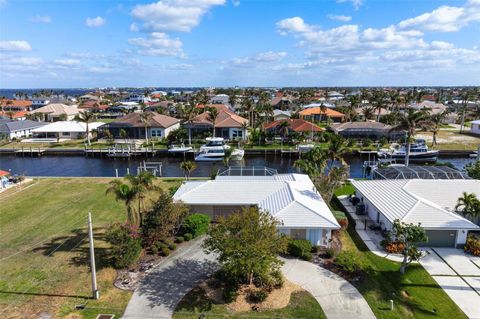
349 261
165 251
473 245
172 246
154 249
300 248
179 239
257 296
330 252
187 236
195 224
230 294
126 245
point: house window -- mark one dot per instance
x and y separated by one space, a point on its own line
155 132
237 133
65 133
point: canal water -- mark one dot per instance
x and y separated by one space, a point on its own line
80 166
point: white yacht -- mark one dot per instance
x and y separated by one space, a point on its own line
214 150
418 151
174 149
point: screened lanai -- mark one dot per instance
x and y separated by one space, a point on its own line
418 172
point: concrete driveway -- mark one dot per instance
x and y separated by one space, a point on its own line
337 297
162 289
459 276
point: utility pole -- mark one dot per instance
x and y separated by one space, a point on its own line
95 294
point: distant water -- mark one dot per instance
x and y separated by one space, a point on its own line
83 166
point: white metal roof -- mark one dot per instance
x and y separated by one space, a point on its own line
67 126
429 202
293 200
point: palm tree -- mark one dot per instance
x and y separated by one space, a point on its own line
283 128
468 205
368 112
434 122
124 192
87 118
409 121
323 111
141 184
188 167
145 117
212 116
336 148
123 134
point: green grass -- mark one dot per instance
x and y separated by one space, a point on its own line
345 189
49 213
302 305
415 294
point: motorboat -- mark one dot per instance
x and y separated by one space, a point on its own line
214 150
418 151
304 148
175 149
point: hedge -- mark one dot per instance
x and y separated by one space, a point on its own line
195 224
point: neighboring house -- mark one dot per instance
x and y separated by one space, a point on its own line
281 102
290 198
66 130
18 129
373 130
57 112
475 128
333 96
220 99
138 98
38 102
16 105
159 126
315 114
93 105
227 125
89 97
295 125
14 115
316 104
281 115
429 202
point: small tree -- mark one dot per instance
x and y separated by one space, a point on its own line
125 244
468 205
473 170
188 167
247 244
409 235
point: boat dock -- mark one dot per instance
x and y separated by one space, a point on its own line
30 151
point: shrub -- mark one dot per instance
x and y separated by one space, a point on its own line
257 296
165 251
343 223
187 236
230 294
473 245
330 252
300 248
195 224
179 239
349 261
172 246
126 245
154 249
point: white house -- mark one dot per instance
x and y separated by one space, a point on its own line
55 111
475 128
281 115
18 129
65 130
290 198
429 202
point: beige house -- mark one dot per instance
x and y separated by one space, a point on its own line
57 112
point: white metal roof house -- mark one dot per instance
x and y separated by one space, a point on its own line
66 130
18 129
475 128
429 202
291 198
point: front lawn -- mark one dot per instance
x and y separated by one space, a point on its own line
195 303
44 254
415 294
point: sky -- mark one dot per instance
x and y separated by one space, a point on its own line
220 43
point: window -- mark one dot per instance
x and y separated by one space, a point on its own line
65 133
237 133
155 132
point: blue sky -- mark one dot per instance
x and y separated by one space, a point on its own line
242 42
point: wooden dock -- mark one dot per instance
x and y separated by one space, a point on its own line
31 151
121 152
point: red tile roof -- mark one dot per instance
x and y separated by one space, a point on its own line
24 104
317 110
16 115
297 125
225 118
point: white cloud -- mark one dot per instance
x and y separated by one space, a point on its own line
258 59
180 66
67 62
41 19
95 22
340 18
158 44
295 24
356 3
173 15
134 27
84 55
445 18
18 45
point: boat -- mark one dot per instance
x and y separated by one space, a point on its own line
474 154
214 150
418 151
237 154
175 149
304 148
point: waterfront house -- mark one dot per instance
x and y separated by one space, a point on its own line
429 202
316 114
294 125
227 124
281 115
159 126
370 129
65 130
15 105
57 112
38 102
475 128
18 129
291 198
14 115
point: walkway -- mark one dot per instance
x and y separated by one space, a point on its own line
162 289
459 276
337 297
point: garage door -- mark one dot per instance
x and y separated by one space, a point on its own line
440 238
